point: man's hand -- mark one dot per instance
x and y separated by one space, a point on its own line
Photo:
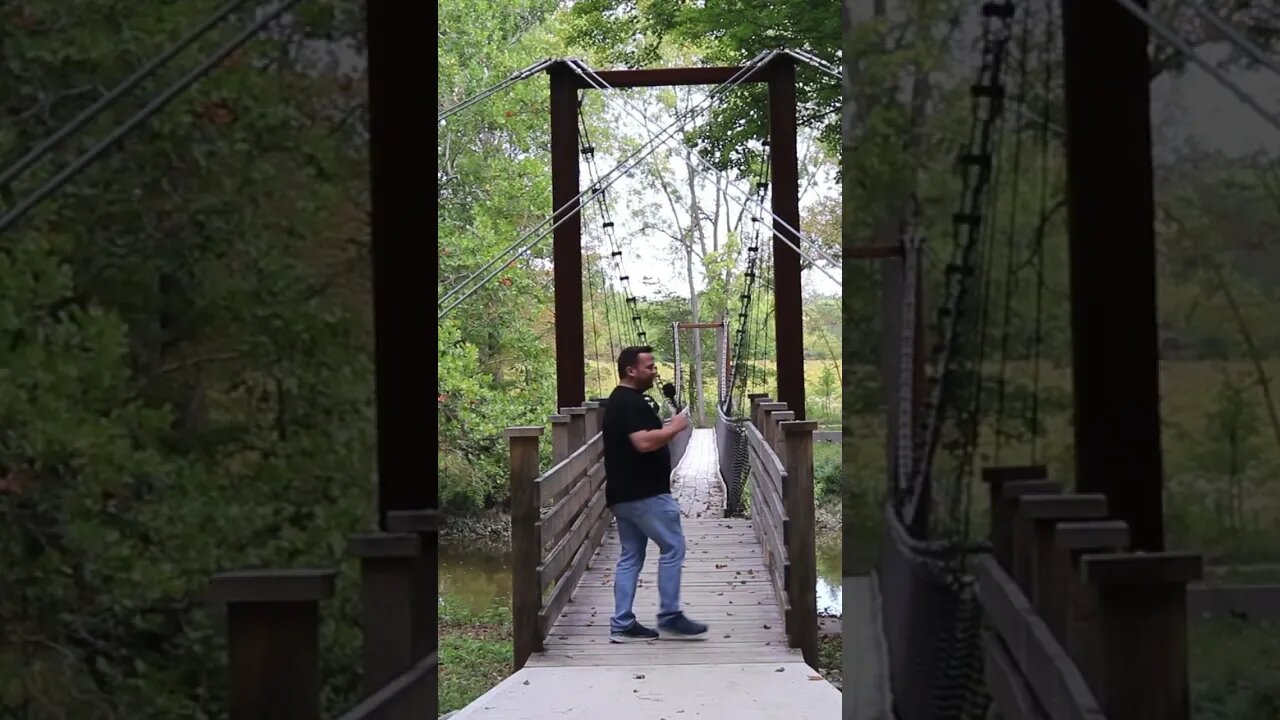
680 421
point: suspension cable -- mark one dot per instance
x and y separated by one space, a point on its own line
592 77
966 229
595 328
512 79
588 152
637 156
1181 45
35 154
738 378
817 62
1009 274
602 208
1237 38
1049 34
158 103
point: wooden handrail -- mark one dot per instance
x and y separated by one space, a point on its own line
551 549
1068 611
780 460
406 697
273 627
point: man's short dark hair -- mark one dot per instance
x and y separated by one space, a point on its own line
628 357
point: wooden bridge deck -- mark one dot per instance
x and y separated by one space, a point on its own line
725 584
744 669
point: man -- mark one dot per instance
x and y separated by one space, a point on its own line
637 466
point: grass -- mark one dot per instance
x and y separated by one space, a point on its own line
475 652
831 658
1234 670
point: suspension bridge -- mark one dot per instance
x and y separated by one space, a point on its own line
1071 608
753 580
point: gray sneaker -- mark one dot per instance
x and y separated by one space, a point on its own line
679 627
635 633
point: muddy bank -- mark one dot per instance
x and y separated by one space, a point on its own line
490 529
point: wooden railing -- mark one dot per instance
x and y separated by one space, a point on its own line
558 519
273 629
780 457
1075 626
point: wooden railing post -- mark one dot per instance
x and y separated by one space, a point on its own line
559 438
1001 511
591 420
756 415
1036 519
1141 667
801 544
526 546
388 594
767 426
425 524
577 427
1020 567
775 425
273 641
1071 613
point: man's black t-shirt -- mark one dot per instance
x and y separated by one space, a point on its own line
631 474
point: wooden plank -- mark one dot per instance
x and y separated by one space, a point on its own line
560 595
1054 679
767 495
772 464
559 477
568 547
711 610
773 540
724 584
1009 691
571 642
729 625
687 657
1248 602
411 695
762 462
759 593
771 510
659 652
553 525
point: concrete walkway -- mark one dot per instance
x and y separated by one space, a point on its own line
753 691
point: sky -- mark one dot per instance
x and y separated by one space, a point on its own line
651 260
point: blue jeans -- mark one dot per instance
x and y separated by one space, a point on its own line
639 521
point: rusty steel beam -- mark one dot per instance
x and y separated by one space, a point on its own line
784 162
571 373
698 326
663 77
398 150
1110 220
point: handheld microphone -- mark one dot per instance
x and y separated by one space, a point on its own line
669 390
